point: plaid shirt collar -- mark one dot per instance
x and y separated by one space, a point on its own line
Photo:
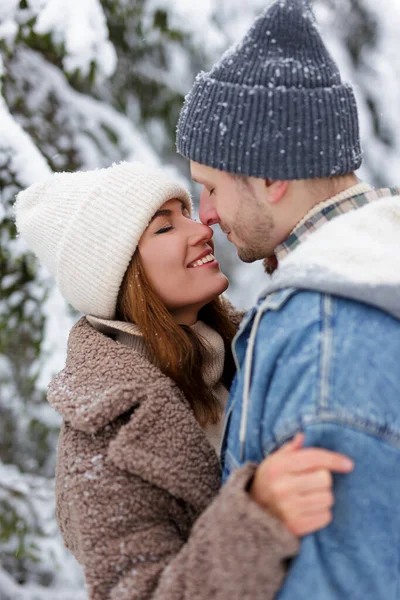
353 198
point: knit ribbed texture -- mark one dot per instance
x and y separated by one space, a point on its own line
85 227
274 106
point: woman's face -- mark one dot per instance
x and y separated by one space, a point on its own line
177 256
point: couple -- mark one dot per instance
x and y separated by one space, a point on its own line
272 136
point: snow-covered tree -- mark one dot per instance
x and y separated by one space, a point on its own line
64 105
84 83
363 36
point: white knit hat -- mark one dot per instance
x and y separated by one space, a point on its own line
85 227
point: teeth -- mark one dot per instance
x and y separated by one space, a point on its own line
203 261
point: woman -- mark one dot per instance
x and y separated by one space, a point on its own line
142 396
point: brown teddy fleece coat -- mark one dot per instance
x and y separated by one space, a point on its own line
135 471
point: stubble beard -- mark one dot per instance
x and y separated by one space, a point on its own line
247 255
256 239
253 227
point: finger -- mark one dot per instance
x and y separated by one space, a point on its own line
293 488
294 444
315 502
306 525
310 482
308 459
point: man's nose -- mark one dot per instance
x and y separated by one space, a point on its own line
207 213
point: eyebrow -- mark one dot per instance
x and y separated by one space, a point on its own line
165 212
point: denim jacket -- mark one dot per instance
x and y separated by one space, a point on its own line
322 355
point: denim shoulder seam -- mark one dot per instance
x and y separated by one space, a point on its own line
361 424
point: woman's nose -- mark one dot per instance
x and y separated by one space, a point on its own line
208 214
200 233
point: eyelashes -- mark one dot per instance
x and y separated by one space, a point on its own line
164 230
185 213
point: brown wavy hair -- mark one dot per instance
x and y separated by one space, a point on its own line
178 350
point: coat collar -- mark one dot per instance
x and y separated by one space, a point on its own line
162 442
101 380
168 448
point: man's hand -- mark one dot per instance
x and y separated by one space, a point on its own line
295 484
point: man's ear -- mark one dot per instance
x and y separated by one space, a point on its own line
276 190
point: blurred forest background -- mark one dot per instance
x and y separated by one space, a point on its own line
84 83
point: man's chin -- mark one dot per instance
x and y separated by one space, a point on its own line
247 255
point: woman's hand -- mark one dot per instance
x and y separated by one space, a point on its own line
295 484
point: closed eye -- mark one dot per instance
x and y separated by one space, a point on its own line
185 213
164 229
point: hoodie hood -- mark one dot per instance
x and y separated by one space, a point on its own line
356 256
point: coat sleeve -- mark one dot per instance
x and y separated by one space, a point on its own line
235 551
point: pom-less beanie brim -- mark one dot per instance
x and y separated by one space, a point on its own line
214 130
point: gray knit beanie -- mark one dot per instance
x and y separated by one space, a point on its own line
274 106
85 227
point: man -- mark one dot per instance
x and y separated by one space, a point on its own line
272 135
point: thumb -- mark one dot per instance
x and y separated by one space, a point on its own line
294 444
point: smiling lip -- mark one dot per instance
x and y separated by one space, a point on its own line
214 263
202 255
